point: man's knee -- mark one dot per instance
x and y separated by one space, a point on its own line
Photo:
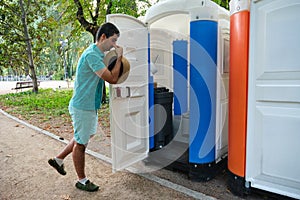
80 146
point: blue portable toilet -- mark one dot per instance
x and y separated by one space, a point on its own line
187 49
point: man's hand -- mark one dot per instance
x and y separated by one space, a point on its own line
119 51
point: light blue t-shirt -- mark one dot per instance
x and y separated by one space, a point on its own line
88 86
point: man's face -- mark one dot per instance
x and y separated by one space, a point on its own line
110 42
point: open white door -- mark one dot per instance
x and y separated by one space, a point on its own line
273 133
129 100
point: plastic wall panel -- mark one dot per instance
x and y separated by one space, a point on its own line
203 72
238 84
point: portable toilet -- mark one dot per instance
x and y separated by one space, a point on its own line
263 151
183 47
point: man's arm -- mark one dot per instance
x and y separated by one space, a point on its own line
113 75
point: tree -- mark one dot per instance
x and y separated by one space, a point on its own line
24 32
45 20
91 14
28 45
11 38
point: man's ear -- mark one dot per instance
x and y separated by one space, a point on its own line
103 37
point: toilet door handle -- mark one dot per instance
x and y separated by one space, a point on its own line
122 92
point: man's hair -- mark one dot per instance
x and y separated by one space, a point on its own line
108 29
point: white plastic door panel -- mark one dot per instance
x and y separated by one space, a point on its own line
129 100
222 90
273 130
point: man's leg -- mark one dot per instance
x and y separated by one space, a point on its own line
67 150
79 164
78 156
57 162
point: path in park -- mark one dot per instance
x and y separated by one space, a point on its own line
6 86
25 173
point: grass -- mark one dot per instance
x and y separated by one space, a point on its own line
47 105
47 102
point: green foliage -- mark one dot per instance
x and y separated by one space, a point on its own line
46 20
46 105
128 7
47 102
223 3
144 5
40 23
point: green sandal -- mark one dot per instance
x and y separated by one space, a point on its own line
89 186
60 169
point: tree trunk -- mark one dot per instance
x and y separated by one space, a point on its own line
29 51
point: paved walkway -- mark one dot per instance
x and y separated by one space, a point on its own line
25 173
6 86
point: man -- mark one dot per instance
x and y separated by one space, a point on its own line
90 76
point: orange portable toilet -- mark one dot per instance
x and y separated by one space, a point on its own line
238 84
